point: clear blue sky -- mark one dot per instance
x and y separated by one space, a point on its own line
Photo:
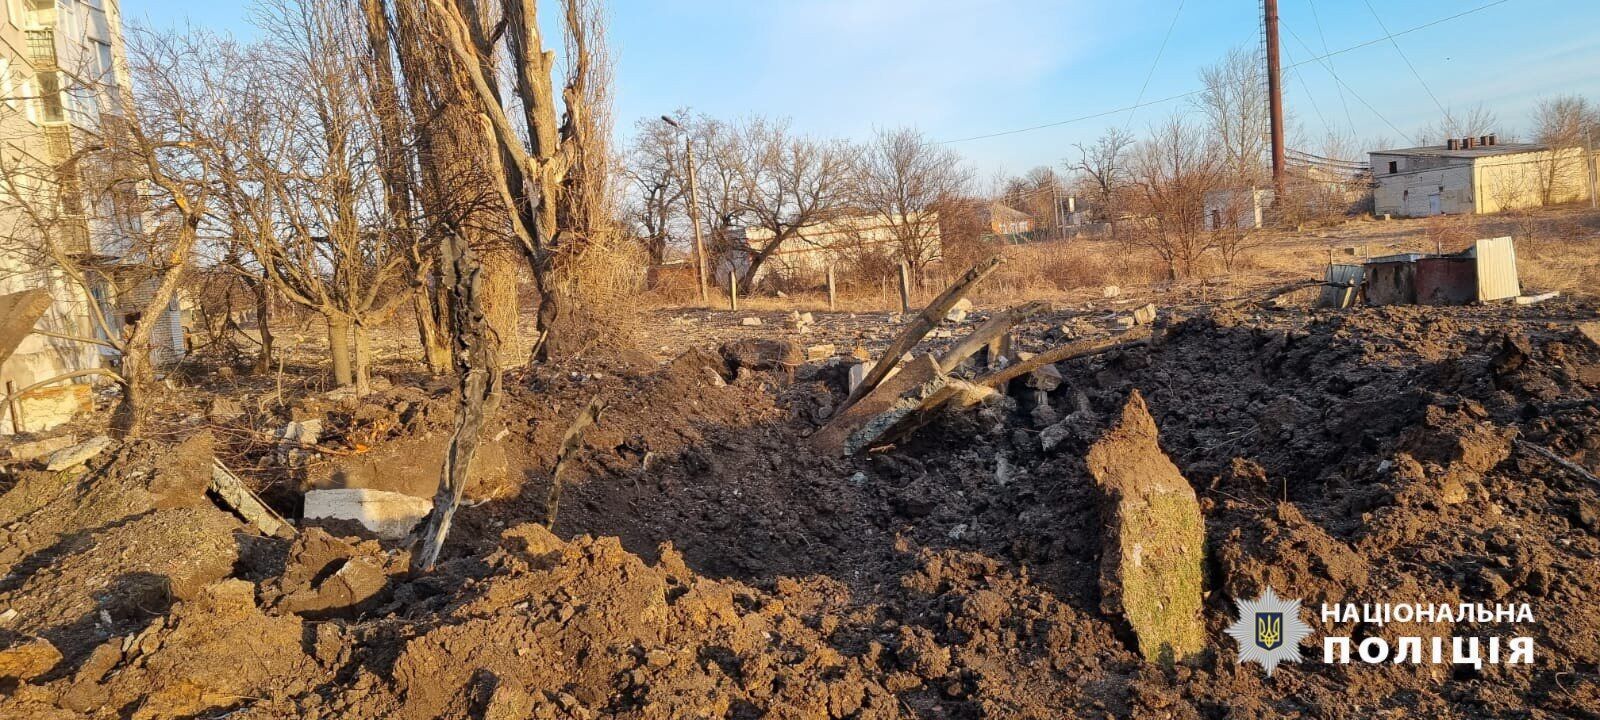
960 68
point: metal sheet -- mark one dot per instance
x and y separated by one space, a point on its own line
1392 283
1497 269
1446 280
1338 281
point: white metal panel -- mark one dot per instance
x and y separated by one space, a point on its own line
1497 269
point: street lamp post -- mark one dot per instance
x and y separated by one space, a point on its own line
694 210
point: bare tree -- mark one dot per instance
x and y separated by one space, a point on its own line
1172 174
657 186
1037 193
308 190
1471 122
1234 103
787 183
904 178
1104 168
1563 123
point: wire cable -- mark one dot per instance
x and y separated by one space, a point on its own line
1147 76
1179 96
1413 68
1317 18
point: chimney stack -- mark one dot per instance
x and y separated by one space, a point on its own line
1493 140
1466 143
1483 140
1453 144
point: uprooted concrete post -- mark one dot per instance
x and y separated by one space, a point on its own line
920 325
855 427
986 333
1154 538
1070 351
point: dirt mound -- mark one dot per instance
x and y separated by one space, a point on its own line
709 563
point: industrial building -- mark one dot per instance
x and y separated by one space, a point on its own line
1475 175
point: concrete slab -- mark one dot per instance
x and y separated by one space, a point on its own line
389 515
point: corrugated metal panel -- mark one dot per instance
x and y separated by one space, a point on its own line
1402 257
1497 269
1340 281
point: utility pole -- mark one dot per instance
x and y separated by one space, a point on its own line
1590 170
694 212
1275 93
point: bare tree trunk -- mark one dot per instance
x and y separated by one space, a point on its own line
363 357
127 419
434 351
263 299
339 348
501 304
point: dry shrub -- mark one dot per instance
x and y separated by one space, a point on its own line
1451 233
600 286
1558 256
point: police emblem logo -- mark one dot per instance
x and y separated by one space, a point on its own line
1269 630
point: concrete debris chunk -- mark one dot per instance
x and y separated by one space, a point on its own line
389 515
79 454
1144 314
896 397
36 449
750 321
817 353
1153 546
1536 299
858 372
1045 378
1110 291
959 312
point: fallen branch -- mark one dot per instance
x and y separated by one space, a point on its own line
233 493
1564 463
998 325
1070 351
570 443
924 322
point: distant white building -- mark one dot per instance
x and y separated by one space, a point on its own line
832 242
1475 175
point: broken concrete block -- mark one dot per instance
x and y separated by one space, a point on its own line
1125 321
750 321
79 454
858 372
50 407
820 352
959 312
1144 314
28 658
39 448
799 322
301 432
1536 299
1044 378
1590 331
387 514
1153 547
896 397
18 314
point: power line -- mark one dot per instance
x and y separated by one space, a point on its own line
1180 96
1317 18
1407 60
1154 64
1339 82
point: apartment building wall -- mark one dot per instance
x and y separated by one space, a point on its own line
61 71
